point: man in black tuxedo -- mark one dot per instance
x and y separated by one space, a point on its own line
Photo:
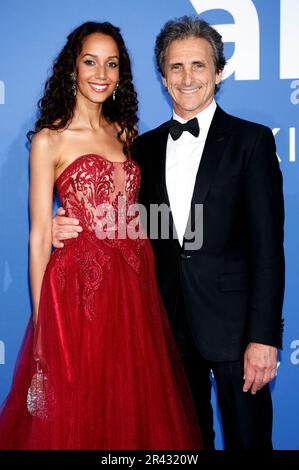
223 296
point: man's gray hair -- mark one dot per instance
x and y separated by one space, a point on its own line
187 27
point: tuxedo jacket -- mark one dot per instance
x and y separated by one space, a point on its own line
233 284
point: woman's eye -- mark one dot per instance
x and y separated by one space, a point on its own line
113 65
89 62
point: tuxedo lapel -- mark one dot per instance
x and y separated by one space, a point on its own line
211 157
160 157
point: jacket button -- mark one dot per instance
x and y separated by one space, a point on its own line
184 256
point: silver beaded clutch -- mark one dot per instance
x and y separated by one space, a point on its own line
38 396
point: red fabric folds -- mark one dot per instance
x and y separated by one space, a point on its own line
110 375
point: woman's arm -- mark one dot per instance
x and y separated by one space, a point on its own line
42 174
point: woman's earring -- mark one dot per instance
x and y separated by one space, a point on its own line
114 92
74 85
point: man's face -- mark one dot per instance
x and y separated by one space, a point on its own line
190 75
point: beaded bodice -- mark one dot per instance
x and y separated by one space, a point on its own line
98 191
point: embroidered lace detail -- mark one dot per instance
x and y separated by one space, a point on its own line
132 181
60 273
90 182
91 265
133 256
86 183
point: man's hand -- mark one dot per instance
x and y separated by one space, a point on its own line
260 363
64 228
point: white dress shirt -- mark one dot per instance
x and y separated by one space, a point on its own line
183 157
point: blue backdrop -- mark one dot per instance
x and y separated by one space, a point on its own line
262 84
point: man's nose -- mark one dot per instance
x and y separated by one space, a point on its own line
187 77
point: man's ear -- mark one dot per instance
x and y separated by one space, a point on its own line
164 81
218 78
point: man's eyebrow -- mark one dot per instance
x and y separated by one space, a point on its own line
193 62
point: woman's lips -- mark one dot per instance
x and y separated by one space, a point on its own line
98 88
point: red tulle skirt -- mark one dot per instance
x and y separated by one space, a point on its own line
109 375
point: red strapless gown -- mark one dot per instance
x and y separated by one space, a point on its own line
110 374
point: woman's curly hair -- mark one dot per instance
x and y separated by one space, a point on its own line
56 107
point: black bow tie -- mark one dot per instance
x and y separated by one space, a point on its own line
176 128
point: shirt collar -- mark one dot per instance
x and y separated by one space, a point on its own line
204 117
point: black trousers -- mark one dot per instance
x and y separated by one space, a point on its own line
246 418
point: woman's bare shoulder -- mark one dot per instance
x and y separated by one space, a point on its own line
47 143
47 136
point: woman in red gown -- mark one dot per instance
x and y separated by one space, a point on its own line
98 368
